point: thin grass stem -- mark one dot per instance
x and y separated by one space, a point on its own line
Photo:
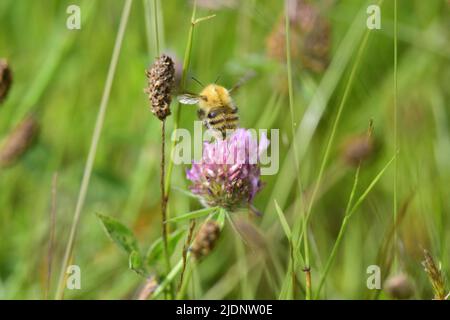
294 143
51 241
395 202
155 20
332 136
94 144
185 253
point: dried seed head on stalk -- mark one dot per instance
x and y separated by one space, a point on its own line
18 141
357 149
205 239
435 276
161 78
5 79
399 287
310 37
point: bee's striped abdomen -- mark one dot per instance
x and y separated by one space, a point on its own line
223 121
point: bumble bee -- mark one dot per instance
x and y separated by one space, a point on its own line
217 109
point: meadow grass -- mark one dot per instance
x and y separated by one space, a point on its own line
396 201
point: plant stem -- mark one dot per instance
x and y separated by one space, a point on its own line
186 63
168 279
294 143
155 17
333 134
164 198
185 252
340 234
395 135
51 241
94 143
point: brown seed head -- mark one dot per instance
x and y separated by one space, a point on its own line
357 149
161 77
435 276
399 287
5 79
205 239
18 141
310 40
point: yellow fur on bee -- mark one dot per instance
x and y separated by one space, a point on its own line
214 96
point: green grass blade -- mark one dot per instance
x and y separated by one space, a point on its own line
193 214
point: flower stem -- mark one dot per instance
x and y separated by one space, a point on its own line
294 143
164 198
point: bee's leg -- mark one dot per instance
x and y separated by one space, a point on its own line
201 114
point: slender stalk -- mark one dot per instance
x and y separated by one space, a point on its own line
188 273
164 197
395 135
148 26
350 210
294 142
93 149
186 63
155 19
164 230
340 234
168 279
185 252
51 241
333 134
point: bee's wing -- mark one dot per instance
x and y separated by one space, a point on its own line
188 98
243 80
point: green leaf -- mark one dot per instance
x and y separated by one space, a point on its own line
193 214
119 233
156 250
135 263
283 221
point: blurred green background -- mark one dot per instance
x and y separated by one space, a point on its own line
59 76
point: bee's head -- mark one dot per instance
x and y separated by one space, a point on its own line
214 95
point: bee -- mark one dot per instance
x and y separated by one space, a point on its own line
217 109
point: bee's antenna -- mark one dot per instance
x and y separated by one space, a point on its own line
217 79
198 81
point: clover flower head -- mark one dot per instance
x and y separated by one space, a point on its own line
228 175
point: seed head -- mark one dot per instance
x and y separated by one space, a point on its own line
18 141
435 276
310 40
205 239
357 149
399 287
161 77
5 79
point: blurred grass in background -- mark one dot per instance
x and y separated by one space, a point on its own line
59 76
